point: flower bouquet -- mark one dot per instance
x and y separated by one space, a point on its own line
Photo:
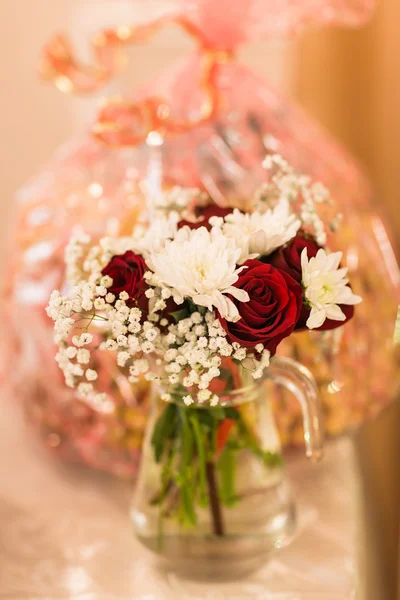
197 301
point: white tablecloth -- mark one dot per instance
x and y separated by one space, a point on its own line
65 534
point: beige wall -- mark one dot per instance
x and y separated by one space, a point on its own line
32 119
350 81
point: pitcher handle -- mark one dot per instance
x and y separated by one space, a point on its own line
299 380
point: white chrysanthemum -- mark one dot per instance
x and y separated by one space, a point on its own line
325 287
152 238
201 265
259 234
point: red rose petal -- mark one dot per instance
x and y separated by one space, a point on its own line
273 310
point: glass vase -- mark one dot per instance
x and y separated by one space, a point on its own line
212 499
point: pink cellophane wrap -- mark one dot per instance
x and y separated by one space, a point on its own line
101 190
227 23
66 193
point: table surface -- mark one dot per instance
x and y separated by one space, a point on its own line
65 534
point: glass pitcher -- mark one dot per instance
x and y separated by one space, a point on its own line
212 499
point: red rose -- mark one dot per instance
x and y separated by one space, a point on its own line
272 311
203 214
126 271
288 259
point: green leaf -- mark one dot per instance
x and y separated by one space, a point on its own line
232 413
187 447
200 439
185 480
180 314
272 459
205 419
217 413
227 473
165 429
187 512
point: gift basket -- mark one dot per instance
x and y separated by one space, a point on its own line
205 124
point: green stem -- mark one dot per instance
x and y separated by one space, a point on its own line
226 470
215 506
185 479
199 439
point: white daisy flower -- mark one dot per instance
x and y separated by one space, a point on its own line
201 265
259 234
325 287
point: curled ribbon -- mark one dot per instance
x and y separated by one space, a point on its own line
127 123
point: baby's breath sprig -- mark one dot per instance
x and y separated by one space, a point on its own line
188 353
286 183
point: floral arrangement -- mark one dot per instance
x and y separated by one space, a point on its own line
190 290
197 300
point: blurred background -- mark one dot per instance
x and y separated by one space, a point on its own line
348 80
